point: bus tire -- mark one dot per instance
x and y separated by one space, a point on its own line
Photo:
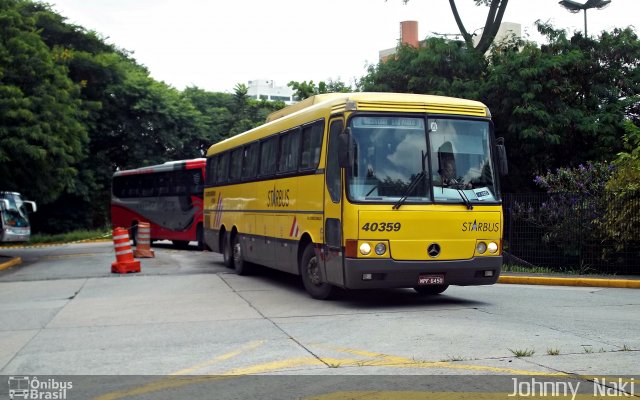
430 290
241 266
200 237
227 255
134 233
312 276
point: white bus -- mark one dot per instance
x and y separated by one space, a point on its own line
14 217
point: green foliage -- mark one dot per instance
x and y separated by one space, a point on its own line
439 67
41 115
305 90
73 109
621 221
569 94
572 93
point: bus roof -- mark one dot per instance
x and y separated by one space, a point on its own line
335 103
167 166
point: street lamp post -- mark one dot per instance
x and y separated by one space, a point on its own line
575 7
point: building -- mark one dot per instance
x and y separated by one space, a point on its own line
408 36
506 30
264 89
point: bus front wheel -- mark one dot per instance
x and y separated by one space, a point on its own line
312 276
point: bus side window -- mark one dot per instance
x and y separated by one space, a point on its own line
289 151
162 182
211 170
250 161
236 164
223 167
268 153
311 145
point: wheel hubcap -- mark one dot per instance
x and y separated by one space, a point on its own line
313 271
237 252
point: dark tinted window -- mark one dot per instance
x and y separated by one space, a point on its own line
211 170
333 168
289 151
236 164
268 154
223 167
311 145
168 183
250 161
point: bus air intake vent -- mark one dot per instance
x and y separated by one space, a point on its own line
423 108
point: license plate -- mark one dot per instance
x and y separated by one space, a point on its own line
430 279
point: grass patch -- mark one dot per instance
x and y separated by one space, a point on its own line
523 352
550 271
41 238
553 352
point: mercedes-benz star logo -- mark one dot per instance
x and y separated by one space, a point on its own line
433 250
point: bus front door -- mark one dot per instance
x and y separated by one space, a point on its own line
332 227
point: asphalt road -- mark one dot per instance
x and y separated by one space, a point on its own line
186 315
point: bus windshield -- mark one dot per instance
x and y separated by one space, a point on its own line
15 215
394 158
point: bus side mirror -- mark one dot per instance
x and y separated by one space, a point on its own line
344 155
501 151
31 206
4 204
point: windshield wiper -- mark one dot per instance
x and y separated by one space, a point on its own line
418 178
407 192
465 199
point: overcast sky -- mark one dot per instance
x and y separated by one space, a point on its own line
216 44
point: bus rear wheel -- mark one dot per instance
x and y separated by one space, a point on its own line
241 266
430 290
312 276
227 255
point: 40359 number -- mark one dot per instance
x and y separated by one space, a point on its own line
382 226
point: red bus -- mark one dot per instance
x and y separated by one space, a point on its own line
167 196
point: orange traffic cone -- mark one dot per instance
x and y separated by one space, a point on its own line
125 262
143 240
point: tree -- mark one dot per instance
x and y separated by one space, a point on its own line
491 25
42 136
439 67
305 90
565 103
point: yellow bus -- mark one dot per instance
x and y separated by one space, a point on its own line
361 191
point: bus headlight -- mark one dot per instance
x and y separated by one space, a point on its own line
481 247
365 249
493 247
380 249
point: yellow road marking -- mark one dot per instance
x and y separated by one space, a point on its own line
374 359
175 380
379 359
413 395
223 357
71 255
8 264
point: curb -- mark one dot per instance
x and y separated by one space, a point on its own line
588 282
8 264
